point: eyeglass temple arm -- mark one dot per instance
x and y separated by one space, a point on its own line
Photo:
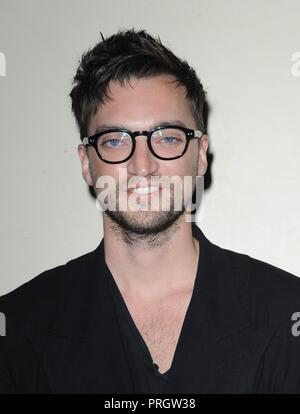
198 133
85 140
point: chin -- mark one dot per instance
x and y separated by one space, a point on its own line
144 222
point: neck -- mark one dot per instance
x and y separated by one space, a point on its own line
166 268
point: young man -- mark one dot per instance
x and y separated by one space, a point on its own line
156 307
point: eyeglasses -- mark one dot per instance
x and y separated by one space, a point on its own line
118 145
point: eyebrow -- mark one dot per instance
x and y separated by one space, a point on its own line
102 127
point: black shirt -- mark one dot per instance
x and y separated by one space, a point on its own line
135 346
68 332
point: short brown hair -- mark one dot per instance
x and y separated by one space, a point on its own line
126 54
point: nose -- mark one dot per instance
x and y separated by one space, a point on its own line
142 162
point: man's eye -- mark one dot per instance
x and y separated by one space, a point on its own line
169 140
112 142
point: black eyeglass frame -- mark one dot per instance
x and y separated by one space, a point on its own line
189 133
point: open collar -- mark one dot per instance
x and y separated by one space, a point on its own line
216 340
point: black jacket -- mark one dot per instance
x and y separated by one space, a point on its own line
62 334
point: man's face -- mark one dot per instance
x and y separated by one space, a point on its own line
142 105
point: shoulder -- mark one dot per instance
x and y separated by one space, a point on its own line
34 304
270 298
265 277
274 294
271 294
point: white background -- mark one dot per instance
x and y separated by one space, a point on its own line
242 51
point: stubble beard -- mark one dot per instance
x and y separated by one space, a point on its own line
148 228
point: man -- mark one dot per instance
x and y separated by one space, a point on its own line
156 307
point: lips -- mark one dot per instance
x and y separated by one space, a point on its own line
144 190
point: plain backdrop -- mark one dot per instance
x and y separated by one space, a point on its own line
243 52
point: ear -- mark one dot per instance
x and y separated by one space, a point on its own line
85 164
202 165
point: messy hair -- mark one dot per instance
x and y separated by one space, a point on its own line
120 57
